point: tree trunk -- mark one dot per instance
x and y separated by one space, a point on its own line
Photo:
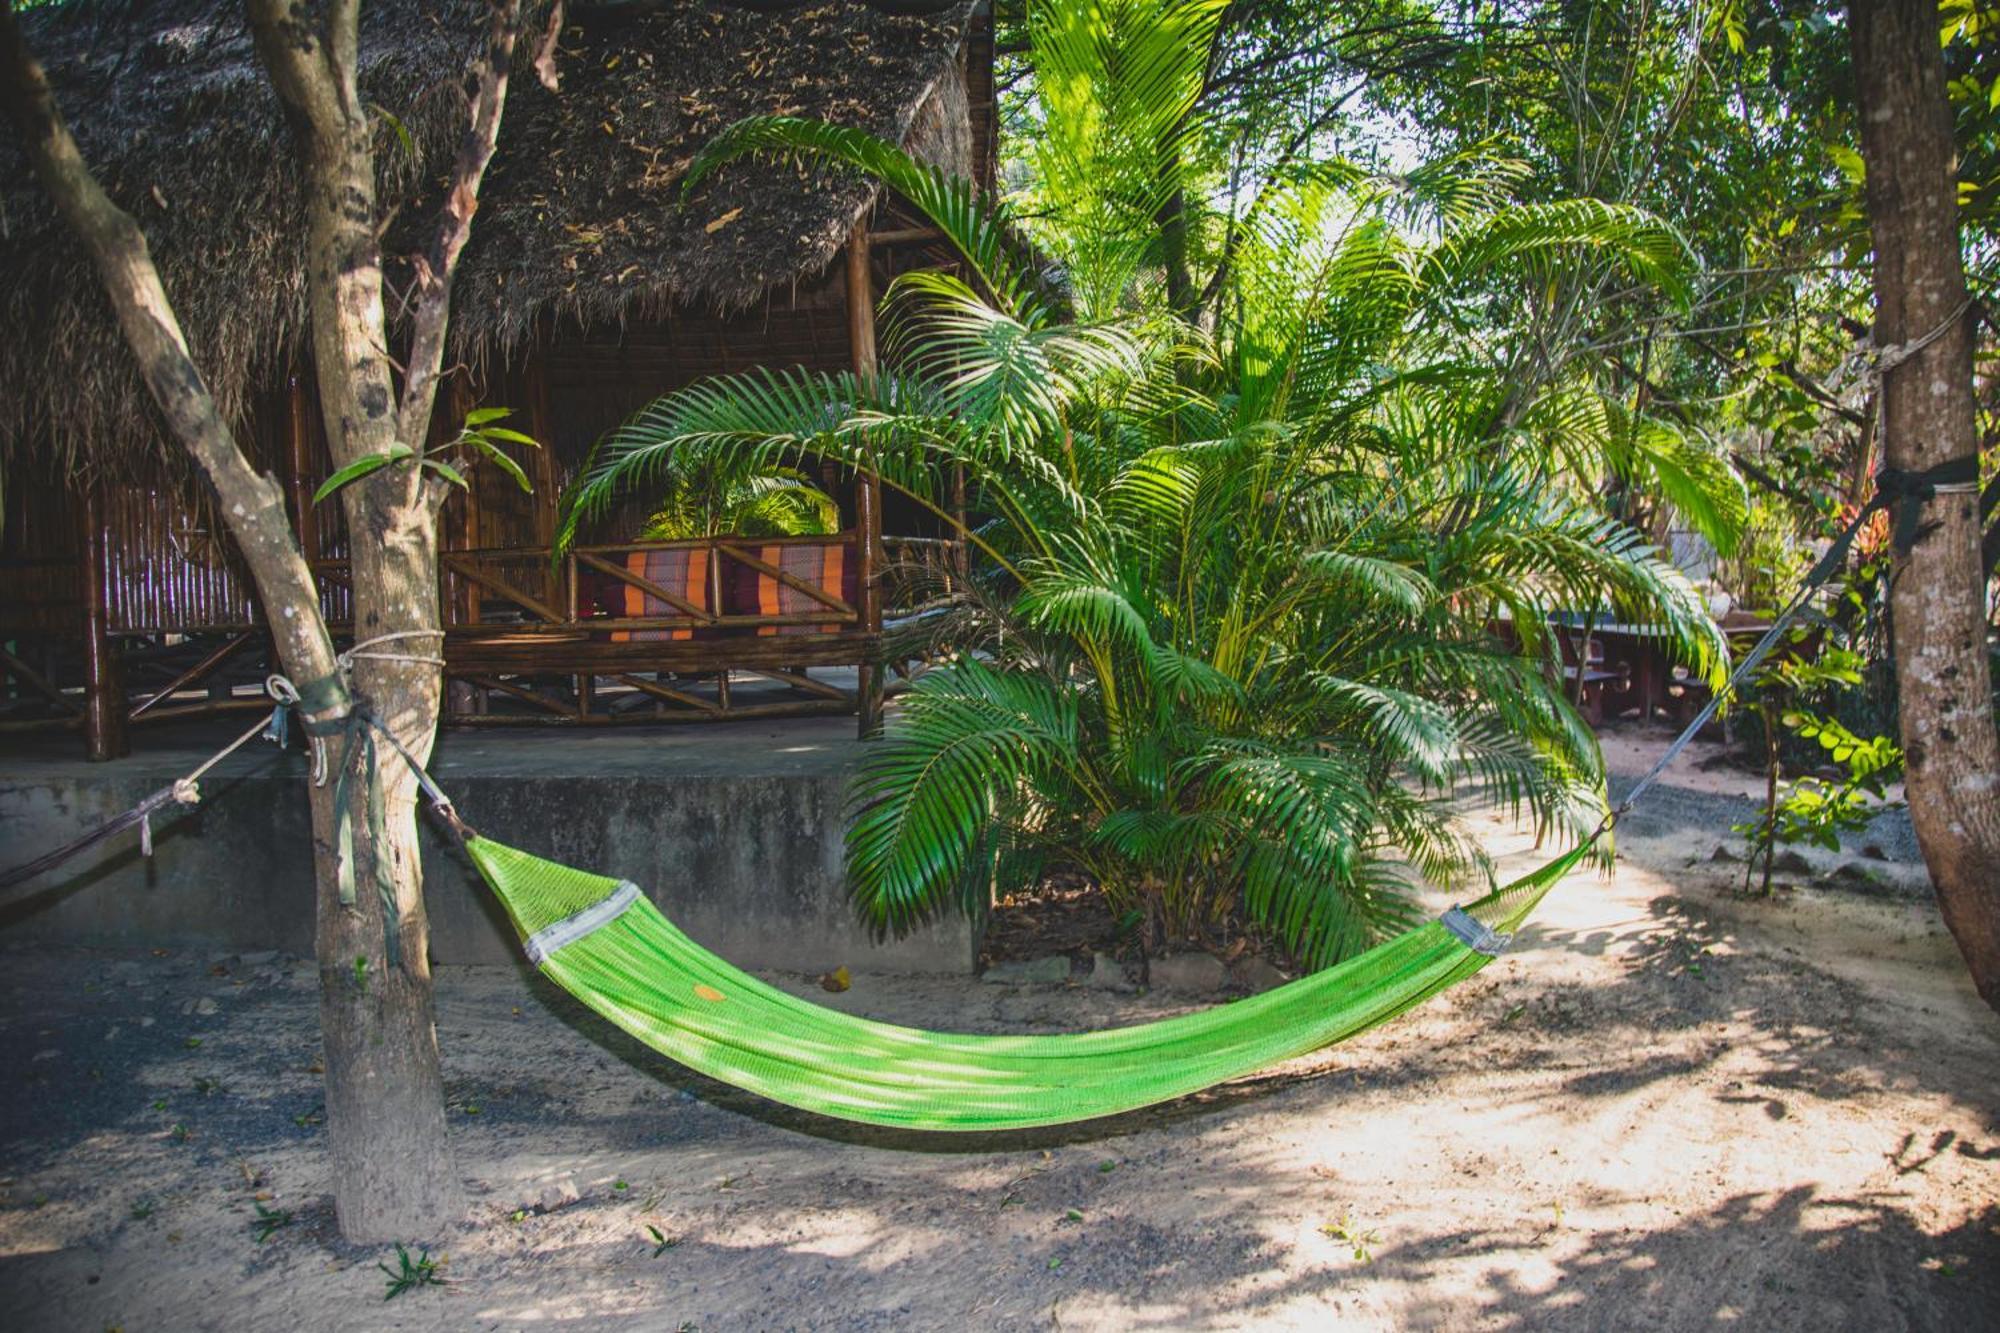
1182 295
393 1175
393 1168
1937 599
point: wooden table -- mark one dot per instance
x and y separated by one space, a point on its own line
1645 649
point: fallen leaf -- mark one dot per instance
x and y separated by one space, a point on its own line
836 981
723 221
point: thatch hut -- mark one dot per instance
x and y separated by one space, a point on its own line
590 286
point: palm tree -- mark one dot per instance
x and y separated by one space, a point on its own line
1237 647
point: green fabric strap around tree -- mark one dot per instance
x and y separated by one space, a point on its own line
636 968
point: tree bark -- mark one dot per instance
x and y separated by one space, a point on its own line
1937 599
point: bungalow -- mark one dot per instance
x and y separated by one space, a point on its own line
590 287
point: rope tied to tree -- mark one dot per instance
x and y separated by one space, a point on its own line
1906 491
359 651
184 790
327 709
1888 358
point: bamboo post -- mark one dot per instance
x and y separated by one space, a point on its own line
867 498
715 604
104 734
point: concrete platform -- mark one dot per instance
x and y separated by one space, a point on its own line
733 828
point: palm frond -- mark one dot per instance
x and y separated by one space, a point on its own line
963 743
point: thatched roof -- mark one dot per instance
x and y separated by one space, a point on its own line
581 217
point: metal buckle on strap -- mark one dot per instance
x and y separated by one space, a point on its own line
1473 933
576 925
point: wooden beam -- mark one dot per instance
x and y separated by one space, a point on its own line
528 654
465 569
961 549
861 302
671 695
605 623
799 708
904 235
104 734
527 695
867 497
193 673
34 679
798 680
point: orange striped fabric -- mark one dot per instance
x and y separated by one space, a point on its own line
683 571
824 566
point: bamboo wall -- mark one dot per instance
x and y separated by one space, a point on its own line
173 568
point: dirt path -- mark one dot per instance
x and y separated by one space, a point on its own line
1666 1108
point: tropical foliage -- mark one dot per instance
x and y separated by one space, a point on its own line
1260 594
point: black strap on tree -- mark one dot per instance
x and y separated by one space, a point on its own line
1907 491
356 728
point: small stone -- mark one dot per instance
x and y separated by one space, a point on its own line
204 1005
112 1034
1107 973
1722 853
44 1055
1256 974
1050 971
1188 972
146 1020
1857 877
559 1193
1791 861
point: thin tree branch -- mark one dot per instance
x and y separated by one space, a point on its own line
431 313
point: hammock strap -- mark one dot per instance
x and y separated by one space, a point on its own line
575 926
327 711
1475 934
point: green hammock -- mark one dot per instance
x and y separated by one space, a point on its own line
602 941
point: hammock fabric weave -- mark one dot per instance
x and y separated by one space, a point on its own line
610 947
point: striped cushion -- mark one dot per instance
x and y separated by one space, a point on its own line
683 571
827 565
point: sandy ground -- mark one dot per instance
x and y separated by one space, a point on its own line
1667 1107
